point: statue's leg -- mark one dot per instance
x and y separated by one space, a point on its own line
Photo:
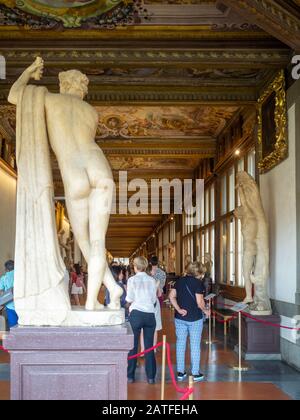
115 291
78 212
98 222
248 260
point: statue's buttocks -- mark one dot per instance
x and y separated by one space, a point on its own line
72 125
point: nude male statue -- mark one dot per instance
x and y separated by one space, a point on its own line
86 174
249 233
256 243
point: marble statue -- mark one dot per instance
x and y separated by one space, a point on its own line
208 263
255 244
69 125
68 249
61 243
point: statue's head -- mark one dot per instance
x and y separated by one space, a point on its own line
247 184
73 82
244 179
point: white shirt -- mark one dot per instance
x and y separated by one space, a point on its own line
141 292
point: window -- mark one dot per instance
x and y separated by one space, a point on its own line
251 163
224 252
231 176
188 237
205 234
224 194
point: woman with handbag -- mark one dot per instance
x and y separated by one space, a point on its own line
78 287
187 298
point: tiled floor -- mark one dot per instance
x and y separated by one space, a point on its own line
264 380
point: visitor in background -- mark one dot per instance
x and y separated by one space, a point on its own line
142 296
117 272
157 310
188 301
115 264
78 286
125 278
6 284
130 271
159 275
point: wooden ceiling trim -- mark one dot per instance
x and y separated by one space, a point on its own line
272 16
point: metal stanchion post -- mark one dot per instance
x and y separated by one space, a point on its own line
163 369
191 383
210 341
240 367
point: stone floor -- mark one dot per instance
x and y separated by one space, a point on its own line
269 380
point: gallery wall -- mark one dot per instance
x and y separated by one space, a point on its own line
281 202
278 191
7 217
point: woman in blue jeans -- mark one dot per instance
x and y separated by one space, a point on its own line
188 301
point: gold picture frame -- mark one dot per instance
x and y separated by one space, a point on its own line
272 125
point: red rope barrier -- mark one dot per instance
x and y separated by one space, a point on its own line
135 356
261 321
185 391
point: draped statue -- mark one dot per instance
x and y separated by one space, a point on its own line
255 244
68 124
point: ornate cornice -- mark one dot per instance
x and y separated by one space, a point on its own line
153 56
140 95
270 16
161 152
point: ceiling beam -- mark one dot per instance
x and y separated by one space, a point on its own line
271 16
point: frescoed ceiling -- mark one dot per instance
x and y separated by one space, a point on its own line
166 76
162 121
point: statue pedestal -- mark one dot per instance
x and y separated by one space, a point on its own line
61 363
260 341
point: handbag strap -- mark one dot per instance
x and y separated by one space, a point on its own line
193 296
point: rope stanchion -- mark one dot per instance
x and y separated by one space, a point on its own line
163 369
185 391
191 396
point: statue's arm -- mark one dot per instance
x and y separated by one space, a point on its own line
34 71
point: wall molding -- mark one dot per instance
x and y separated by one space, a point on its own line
7 168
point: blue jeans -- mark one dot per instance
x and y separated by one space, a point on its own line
12 317
194 330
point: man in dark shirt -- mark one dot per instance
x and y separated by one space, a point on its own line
188 301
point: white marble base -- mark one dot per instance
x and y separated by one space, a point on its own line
80 317
260 313
77 317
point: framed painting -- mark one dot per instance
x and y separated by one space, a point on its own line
272 125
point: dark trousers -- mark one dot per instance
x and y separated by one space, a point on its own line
142 321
